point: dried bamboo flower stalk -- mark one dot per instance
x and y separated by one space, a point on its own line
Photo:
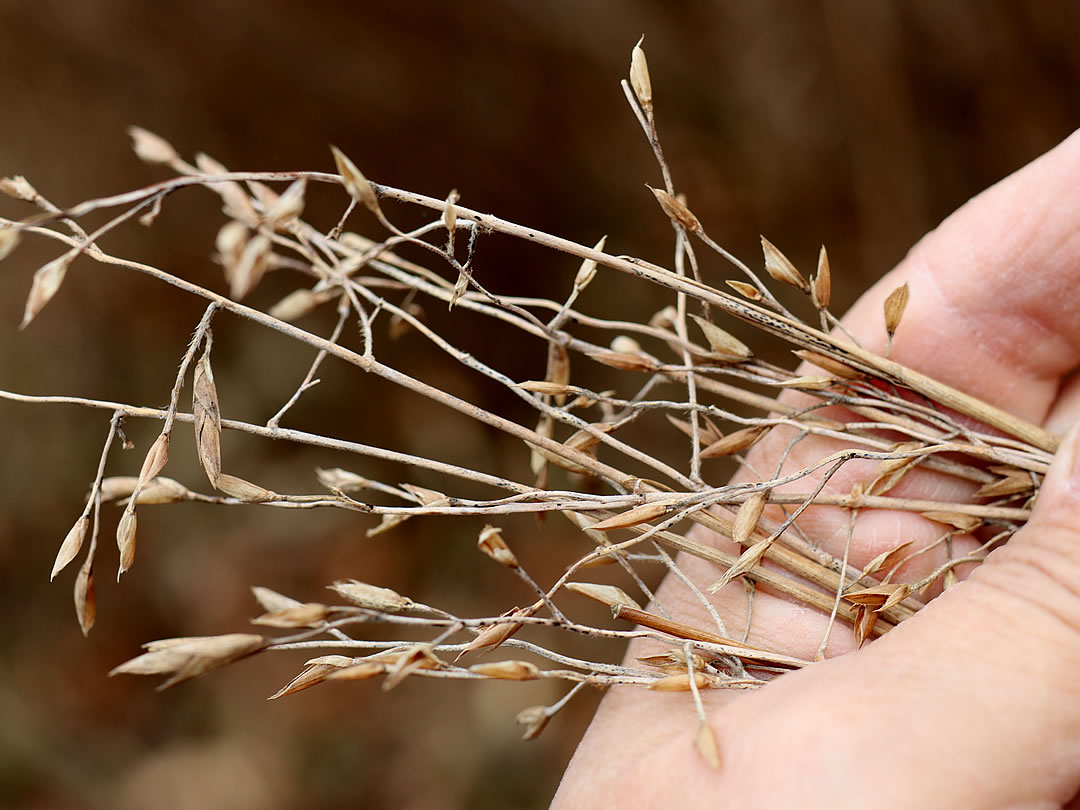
584 458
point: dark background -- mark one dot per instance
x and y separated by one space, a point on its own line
858 125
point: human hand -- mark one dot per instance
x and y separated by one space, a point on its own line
975 701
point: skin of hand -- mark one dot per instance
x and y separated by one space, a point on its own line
974 702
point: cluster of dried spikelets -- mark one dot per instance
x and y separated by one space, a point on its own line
712 370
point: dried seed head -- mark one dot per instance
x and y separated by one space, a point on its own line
587 271
880 596
748 290
371 597
558 369
736 441
724 345
419 656
272 601
155 460
245 275
242 490
161 490
625 344
958 520
635 516
460 287
309 614
313 675
949 580
9 238
705 742
117 486
492 544
337 479
185 658
507 670
887 560
780 267
810 383
289 206
85 597
492 636
46 283
834 367
362 671
1013 483
821 286
533 720
681 682
544 387
624 361
664 318
639 77
71 546
894 308
609 595
386 523
125 539
18 187
865 620
230 243
676 210
295 305
747 560
358 186
151 148
449 214
747 517
204 406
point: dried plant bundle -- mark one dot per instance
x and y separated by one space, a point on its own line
683 370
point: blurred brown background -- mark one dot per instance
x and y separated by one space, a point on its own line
855 124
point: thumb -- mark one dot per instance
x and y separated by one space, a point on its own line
993 664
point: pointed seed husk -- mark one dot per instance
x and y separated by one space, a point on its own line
371 597
507 670
358 186
45 285
491 543
125 538
747 517
85 596
204 405
609 595
533 719
676 210
780 267
9 238
587 271
723 343
894 307
633 517
744 289
71 546
736 441
151 148
289 206
746 561
639 77
821 286
270 600
833 367
243 490
309 614
958 520
705 742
